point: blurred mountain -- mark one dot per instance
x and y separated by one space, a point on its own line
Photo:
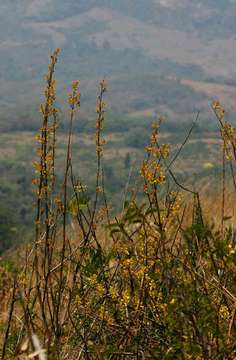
167 39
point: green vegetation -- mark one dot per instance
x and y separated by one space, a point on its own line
122 159
156 280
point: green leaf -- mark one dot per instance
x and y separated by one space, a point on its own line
77 204
225 218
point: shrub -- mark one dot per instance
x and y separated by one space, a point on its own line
155 282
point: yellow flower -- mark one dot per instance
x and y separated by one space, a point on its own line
125 298
172 301
230 249
114 293
224 312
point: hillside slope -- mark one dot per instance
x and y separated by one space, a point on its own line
168 38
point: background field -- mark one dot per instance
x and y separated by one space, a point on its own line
169 58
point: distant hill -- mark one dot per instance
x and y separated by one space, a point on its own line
172 39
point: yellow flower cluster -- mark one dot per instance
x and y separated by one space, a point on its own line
218 109
97 286
152 172
152 169
74 95
173 202
80 188
92 280
100 109
229 137
125 298
224 312
228 133
114 293
48 109
230 249
44 167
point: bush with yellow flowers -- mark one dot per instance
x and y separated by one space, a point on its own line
157 281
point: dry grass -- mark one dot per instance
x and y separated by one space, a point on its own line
157 281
